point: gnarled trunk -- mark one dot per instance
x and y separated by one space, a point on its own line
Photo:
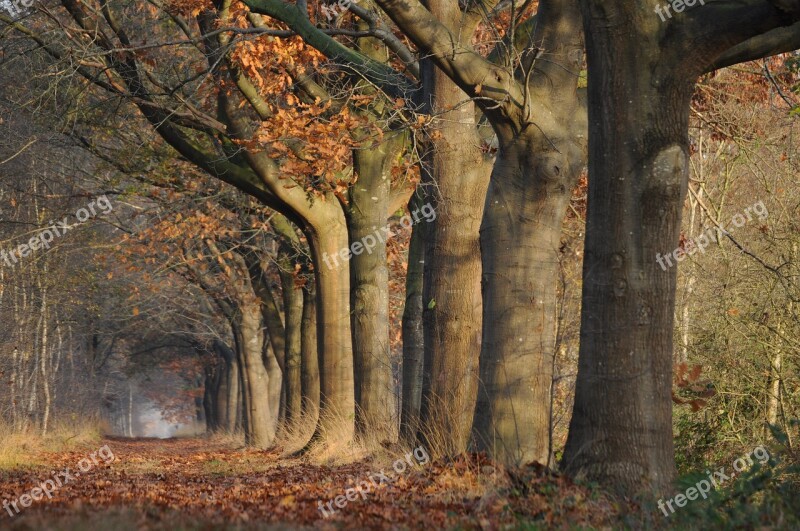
542 152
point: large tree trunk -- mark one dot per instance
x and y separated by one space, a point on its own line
366 218
541 156
370 204
641 77
413 335
520 240
451 294
621 428
259 422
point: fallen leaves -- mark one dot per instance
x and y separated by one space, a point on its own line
155 482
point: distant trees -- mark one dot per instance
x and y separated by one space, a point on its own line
736 311
48 345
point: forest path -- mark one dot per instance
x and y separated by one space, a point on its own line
198 484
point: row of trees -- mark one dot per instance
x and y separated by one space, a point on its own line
53 350
333 126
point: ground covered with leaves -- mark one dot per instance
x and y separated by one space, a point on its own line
176 484
199 484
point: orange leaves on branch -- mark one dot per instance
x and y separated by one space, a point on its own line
269 62
310 141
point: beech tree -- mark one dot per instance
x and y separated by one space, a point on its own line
642 73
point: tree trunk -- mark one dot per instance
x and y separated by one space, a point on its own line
413 336
335 347
45 356
520 239
259 422
293 316
221 398
366 218
211 385
275 349
642 73
452 279
773 402
621 428
233 402
227 390
370 203
275 386
130 409
775 378
309 366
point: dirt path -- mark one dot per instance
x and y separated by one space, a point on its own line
193 484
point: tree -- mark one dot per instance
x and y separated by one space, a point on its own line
642 74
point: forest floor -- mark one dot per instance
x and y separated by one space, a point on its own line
202 484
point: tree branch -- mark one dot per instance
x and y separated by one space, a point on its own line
780 40
391 82
718 27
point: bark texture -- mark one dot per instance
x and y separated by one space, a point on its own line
413 336
367 225
309 366
451 299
